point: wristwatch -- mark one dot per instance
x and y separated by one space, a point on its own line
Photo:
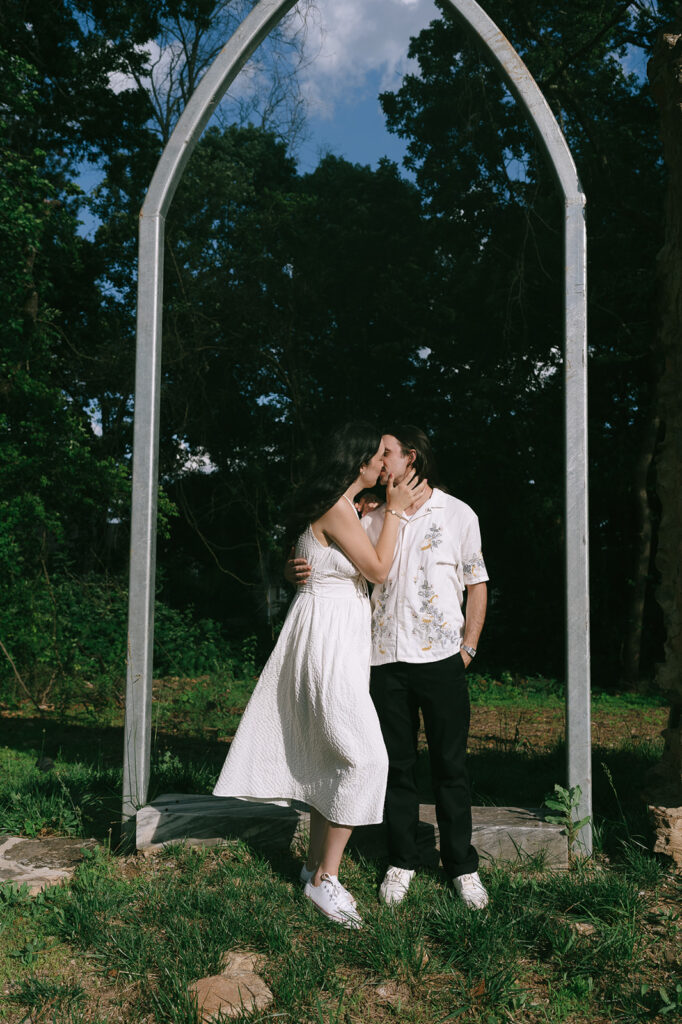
471 651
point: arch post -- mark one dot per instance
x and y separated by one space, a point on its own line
526 91
265 15
203 102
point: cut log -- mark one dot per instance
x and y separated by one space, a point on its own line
667 822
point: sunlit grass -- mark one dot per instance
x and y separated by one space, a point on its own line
125 938
556 946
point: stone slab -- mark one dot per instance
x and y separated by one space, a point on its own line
200 820
499 833
38 863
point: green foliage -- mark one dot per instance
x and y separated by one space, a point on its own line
292 301
54 485
39 992
66 638
496 215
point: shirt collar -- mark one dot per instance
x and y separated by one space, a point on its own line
437 500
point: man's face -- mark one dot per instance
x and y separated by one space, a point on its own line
393 460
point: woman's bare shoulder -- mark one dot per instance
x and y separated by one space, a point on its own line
342 508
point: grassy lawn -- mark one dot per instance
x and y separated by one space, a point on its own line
126 937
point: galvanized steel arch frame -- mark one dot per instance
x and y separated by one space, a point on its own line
253 30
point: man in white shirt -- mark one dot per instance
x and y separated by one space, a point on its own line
424 637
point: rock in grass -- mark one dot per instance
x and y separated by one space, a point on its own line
237 988
393 992
583 927
39 863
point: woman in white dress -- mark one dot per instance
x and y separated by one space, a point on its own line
310 732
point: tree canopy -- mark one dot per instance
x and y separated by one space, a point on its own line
294 301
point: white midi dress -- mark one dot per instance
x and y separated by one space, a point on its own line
310 732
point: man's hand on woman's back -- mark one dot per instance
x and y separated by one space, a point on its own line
296 570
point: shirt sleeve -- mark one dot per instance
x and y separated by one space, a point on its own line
473 566
372 523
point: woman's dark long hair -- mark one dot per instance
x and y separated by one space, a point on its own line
336 466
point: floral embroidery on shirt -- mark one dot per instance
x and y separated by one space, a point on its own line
474 567
429 625
382 620
432 538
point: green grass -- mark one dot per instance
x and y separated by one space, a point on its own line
543 692
124 939
151 932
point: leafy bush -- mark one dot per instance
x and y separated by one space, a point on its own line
65 641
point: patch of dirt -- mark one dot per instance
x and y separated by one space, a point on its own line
112 998
534 729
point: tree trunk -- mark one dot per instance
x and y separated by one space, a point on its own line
665 784
632 647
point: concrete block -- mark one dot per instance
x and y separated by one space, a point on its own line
503 834
202 820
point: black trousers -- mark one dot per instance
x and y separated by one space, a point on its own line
440 689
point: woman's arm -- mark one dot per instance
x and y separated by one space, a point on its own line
342 525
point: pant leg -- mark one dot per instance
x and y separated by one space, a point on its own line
443 694
399 718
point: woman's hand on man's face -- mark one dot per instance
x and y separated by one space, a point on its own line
407 492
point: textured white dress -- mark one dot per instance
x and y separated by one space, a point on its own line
310 732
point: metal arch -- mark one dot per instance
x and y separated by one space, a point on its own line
255 27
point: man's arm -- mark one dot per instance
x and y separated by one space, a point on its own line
474 617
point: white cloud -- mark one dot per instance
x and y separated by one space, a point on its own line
346 42
160 61
349 39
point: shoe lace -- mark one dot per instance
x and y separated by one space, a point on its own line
394 875
334 888
472 882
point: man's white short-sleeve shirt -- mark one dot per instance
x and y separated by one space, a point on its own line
417 613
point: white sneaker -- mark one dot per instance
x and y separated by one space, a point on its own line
471 889
396 882
332 900
307 876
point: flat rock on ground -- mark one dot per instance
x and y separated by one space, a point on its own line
237 988
38 863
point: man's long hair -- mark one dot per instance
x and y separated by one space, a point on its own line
413 438
335 467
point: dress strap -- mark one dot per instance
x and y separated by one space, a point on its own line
350 503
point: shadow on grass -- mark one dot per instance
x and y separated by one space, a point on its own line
89 770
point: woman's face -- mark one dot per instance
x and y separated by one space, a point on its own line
373 467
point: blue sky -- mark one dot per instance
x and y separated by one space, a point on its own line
357 131
357 49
